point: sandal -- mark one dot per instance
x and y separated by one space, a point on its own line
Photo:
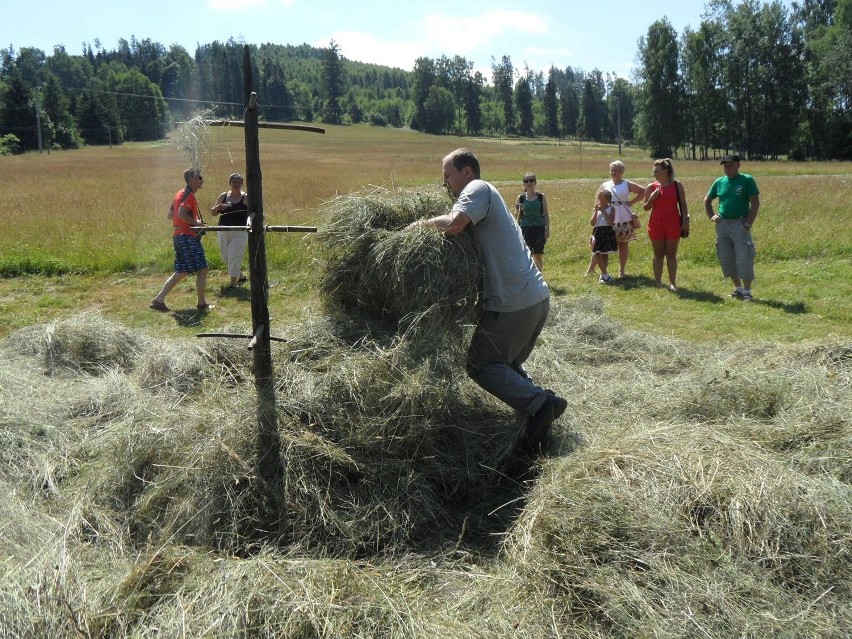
157 305
204 307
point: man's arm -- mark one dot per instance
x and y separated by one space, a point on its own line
708 208
754 207
185 215
449 224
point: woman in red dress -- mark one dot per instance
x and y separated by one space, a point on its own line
666 200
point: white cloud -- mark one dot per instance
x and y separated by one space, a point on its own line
366 47
464 35
439 34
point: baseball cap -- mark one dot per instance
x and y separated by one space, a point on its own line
730 158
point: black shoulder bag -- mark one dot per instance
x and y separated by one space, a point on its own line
683 232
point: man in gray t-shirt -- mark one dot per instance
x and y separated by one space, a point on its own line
516 297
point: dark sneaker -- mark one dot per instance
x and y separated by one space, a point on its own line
737 294
747 297
538 428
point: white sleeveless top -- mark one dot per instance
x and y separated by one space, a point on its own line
620 198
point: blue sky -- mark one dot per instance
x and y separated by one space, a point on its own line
584 35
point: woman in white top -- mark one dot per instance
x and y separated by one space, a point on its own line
622 200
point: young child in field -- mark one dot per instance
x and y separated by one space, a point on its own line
603 242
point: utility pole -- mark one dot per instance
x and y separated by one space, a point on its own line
618 119
38 115
617 90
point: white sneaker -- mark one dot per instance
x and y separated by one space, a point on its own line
606 278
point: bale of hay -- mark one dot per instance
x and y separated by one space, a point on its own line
375 268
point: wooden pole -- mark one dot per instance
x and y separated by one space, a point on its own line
270 468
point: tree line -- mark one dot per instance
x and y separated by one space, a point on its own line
755 78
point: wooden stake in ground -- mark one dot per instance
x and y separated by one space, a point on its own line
269 462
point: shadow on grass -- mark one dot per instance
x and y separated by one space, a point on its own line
188 316
699 296
794 308
629 282
242 293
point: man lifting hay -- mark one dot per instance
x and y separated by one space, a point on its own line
516 297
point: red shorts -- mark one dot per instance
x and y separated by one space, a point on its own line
664 227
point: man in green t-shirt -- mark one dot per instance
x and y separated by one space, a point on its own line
739 201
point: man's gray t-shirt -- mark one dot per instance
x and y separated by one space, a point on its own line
511 280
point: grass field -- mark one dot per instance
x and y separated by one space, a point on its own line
698 485
97 216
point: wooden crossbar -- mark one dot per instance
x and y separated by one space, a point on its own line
268 125
290 229
241 336
269 228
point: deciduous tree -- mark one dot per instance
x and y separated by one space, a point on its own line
424 79
660 89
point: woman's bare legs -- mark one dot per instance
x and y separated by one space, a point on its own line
671 262
665 250
659 247
623 254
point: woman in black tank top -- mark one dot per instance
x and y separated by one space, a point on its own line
232 208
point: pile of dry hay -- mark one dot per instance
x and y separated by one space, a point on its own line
705 491
416 277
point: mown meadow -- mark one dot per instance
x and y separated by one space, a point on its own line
699 484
